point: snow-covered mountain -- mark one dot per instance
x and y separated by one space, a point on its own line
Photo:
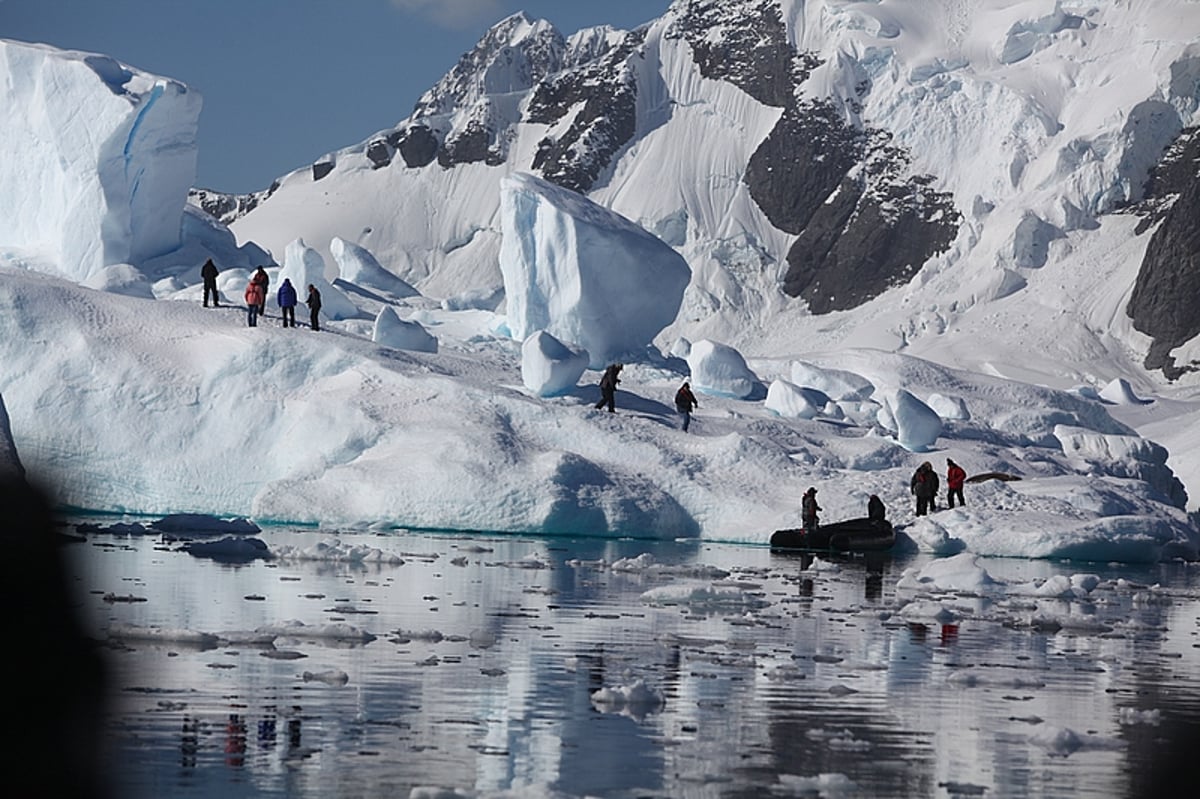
921 166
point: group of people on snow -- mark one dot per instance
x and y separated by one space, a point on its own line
256 297
923 485
685 400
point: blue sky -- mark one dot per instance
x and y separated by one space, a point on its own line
285 81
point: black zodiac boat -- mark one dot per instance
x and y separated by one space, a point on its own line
852 535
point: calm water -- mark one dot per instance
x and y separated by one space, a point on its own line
490 651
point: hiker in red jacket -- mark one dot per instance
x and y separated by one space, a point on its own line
955 477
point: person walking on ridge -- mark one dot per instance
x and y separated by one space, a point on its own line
287 303
608 387
924 486
955 477
209 273
254 300
685 400
314 307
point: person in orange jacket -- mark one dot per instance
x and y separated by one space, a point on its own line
955 477
254 300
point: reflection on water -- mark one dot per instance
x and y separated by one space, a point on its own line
755 673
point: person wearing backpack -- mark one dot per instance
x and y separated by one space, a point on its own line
263 280
287 303
924 486
254 301
608 387
685 401
955 477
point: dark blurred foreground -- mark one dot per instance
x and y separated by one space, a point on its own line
56 690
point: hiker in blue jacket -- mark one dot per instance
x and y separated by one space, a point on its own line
287 303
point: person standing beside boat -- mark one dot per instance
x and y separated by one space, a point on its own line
924 486
808 510
955 477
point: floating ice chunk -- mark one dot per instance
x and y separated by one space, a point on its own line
203 524
175 635
720 369
637 699
832 785
549 367
336 631
960 573
230 549
392 331
334 677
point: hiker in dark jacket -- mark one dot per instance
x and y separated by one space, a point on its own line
955 477
608 387
287 303
209 273
875 510
314 307
924 486
685 400
808 510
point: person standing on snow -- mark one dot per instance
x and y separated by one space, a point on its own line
287 303
263 280
955 477
608 386
209 273
314 307
685 400
808 510
924 486
254 301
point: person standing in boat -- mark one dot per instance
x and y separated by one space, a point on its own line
808 510
955 477
875 509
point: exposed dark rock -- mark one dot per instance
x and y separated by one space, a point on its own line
745 44
228 208
468 146
418 146
801 162
379 153
874 233
321 169
1163 303
607 121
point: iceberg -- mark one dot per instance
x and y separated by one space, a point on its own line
306 267
107 156
720 369
549 367
584 274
